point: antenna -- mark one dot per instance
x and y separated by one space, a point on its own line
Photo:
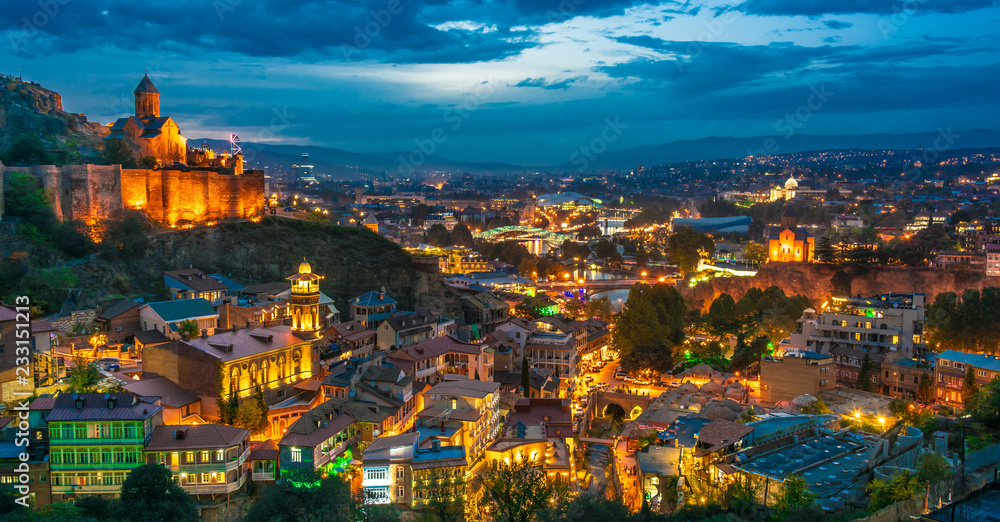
234 145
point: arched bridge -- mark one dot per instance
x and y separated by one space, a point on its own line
521 232
632 405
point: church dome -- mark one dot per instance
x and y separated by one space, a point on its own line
304 268
791 184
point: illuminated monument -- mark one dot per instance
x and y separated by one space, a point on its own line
305 300
192 186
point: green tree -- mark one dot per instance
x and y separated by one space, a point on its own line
986 408
824 250
722 317
189 328
755 252
649 327
794 499
527 267
461 236
27 149
117 152
588 232
24 197
150 493
305 495
866 374
902 486
83 376
525 377
437 235
817 407
932 468
970 389
684 248
515 491
600 308
925 388
252 414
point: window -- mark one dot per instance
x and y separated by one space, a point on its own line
204 478
981 373
399 472
204 456
296 455
220 455
399 492
376 473
188 457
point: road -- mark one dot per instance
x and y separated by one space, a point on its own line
624 463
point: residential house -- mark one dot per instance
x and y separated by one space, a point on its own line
951 366
194 284
429 360
11 464
205 459
166 316
95 440
350 339
180 406
120 321
465 412
540 430
796 373
320 439
372 308
396 470
410 328
264 461
485 312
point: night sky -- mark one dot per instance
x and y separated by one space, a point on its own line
520 81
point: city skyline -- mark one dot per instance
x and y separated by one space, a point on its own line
518 82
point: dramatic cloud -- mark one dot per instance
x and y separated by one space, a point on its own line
821 7
523 81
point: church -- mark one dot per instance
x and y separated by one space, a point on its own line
147 133
789 242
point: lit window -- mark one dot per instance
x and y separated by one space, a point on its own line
296 455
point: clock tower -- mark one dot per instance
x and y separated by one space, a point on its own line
305 300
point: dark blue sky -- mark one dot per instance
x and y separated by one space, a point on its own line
521 81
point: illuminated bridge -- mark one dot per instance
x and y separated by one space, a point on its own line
519 232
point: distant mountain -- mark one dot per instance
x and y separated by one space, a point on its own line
717 148
346 165
29 108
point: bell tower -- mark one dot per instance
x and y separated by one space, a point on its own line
147 99
305 300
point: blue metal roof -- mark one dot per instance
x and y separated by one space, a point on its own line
181 309
985 362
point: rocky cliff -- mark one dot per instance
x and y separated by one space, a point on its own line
29 108
820 281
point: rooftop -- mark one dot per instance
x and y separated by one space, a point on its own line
237 344
195 437
182 309
660 460
976 360
100 406
465 388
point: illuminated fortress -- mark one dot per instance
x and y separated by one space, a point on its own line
207 189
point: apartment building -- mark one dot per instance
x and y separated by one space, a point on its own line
950 368
885 323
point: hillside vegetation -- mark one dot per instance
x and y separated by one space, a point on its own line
132 257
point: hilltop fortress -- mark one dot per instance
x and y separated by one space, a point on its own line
206 189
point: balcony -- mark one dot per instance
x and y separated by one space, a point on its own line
215 488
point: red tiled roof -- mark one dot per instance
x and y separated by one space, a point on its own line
264 450
721 433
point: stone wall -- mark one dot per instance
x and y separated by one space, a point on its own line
92 193
179 198
819 282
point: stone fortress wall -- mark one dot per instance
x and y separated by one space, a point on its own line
171 197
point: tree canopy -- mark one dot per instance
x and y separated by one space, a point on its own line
649 327
684 248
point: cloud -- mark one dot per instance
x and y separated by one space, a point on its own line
382 30
541 82
882 7
837 24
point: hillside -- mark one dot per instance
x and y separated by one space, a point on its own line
29 108
352 261
819 282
